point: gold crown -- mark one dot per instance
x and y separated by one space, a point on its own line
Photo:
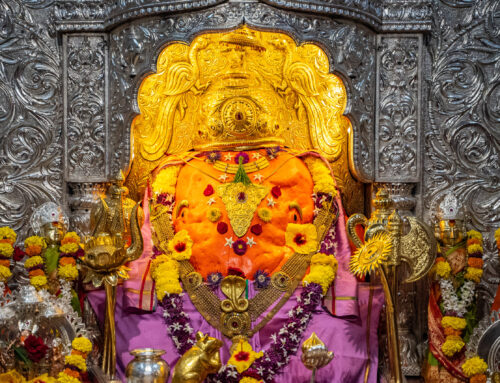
239 122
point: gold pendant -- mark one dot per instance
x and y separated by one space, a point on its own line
241 202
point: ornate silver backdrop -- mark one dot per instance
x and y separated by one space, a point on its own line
423 80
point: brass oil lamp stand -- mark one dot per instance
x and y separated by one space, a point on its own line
382 250
106 253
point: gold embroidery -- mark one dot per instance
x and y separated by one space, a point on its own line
250 167
241 201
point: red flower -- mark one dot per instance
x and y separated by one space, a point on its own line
235 271
79 253
256 229
35 347
276 191
180 247
242 356
251 373
222 227
300 239
209 190
18 254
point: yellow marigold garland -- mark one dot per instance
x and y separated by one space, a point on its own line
165 273
166 180
443 269
323 271
473 274
7 239
33 247
452 345
7 233
70 245
6 250
321 175
5 274
75 363
453 322
82 344
453 326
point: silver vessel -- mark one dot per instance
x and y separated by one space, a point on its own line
147 367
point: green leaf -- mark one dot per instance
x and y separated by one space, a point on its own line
51 259
22 355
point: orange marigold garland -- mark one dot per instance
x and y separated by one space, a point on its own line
457 303
70 251
7 239
33 247
76 363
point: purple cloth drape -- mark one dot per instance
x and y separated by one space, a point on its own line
348 339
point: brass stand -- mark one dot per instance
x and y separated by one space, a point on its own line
105 256
109 354
383 249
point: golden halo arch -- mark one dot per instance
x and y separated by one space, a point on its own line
237 89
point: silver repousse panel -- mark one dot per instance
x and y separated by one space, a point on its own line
30 112
462 134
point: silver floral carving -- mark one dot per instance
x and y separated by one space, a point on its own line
85 119
30 111
399 109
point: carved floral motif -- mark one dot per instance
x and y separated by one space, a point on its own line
86 135
30 151
399 111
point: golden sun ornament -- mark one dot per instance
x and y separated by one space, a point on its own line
371 255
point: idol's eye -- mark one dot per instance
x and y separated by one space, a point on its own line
298 210
180 208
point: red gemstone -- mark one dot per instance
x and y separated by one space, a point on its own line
300 239
222 227
242 196
209 190
276 191
256 229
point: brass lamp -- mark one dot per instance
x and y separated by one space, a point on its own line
106 253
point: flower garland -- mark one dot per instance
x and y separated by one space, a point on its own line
456 303
285 344
321 175
323 270
474 368
7 239
75 364
33 247
70 251
286 341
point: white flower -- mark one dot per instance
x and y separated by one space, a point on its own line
176 326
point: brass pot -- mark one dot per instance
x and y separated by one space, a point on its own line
147 367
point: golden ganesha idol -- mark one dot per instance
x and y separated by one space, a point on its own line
234 150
